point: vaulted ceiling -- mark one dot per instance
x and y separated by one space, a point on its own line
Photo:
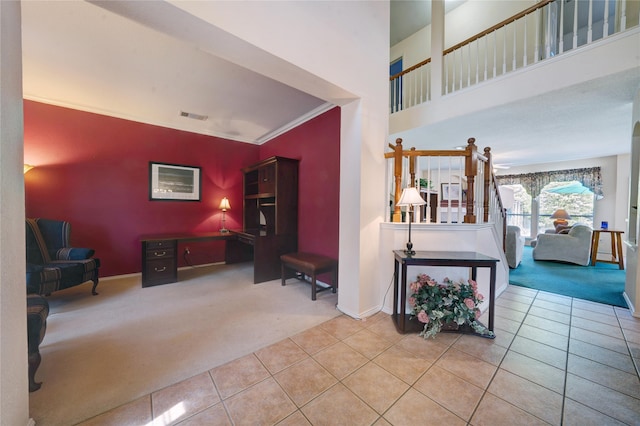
80 55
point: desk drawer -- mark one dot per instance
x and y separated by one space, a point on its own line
159 262
160 244
161 271
246 239
160 253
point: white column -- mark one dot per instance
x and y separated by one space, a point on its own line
14 392
437 46
364 129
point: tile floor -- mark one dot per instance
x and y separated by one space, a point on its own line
555 360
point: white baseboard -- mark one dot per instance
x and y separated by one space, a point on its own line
632 308
117 277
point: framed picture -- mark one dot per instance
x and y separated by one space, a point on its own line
174 182
450 191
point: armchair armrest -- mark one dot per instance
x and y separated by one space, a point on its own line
74 253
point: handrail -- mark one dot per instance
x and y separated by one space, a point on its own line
491 209
499 25
481 34
408 70
529 36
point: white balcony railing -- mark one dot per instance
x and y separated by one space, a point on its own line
543 31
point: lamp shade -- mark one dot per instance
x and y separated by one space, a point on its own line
224 204
410 197
561 214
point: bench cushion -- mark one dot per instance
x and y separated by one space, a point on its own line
309 262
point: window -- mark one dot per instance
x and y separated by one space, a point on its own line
518 208
535 217
573 189
572 196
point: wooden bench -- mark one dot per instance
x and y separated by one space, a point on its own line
312 265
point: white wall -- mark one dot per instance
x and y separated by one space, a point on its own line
14 393
477 15
461 23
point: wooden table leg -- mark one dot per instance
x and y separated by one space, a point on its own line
403 297
595 238
618 237
396 279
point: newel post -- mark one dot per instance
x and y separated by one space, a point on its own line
471 171
488 172
397 174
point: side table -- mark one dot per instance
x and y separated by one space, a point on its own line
471 260
616 247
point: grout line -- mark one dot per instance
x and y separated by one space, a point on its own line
502 360
566 364
626 341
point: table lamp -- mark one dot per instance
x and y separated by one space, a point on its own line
224 206
561 217
410 197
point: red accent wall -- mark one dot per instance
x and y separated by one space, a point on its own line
93 171
316 144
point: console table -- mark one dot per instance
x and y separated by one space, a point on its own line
471 260
160 254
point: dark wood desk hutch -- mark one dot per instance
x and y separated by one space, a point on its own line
270 217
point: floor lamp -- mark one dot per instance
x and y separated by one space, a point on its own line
410 198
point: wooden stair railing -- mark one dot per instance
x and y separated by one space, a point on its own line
481 188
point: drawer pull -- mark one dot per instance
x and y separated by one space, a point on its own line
155 253
164 268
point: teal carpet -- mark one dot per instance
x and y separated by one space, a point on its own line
603 283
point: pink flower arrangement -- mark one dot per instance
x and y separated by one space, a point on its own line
435 304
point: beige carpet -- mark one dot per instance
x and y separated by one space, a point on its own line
102 351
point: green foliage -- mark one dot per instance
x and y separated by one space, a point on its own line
425 183
579 206
437 305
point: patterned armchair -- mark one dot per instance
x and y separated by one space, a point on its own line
52 264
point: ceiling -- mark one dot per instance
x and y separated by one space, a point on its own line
82 55
583 121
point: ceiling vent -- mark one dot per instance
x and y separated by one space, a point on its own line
194 116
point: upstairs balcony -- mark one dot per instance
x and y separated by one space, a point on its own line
549 46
